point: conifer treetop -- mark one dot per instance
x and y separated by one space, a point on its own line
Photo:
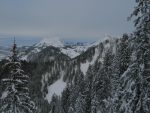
14 51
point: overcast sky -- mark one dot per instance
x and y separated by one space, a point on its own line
69 19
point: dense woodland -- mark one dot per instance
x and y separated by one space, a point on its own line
117 79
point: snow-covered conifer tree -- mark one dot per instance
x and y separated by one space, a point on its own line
135 93
15 97
102 85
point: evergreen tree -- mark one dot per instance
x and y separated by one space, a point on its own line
80 104
85 102
135 93
55 105
65 100
102 85
76 89
15 97
87 93
119 66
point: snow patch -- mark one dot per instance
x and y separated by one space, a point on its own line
73 51
84 66
24 57
69 52
56 88
4 94
43 80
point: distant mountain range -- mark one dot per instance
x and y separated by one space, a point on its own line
71 49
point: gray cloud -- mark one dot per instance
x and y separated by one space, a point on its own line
65 18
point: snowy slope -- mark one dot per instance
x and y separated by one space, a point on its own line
109 43
56 88
73 51
92 55
84 66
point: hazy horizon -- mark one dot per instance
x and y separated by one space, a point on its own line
79 20
29 41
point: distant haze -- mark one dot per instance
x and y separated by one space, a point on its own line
67 19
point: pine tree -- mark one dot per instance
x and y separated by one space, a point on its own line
76 89
15 98
119 66
80 104
55 105
102 84
86 102
142 53
65 100
135 93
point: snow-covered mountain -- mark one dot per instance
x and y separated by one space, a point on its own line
69 49
97 75
52 66
56 42
66 69
96 79
81 56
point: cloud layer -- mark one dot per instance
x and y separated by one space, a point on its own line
65 18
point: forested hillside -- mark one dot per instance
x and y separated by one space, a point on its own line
112 76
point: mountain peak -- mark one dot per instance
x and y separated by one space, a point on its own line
106 38
56 42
